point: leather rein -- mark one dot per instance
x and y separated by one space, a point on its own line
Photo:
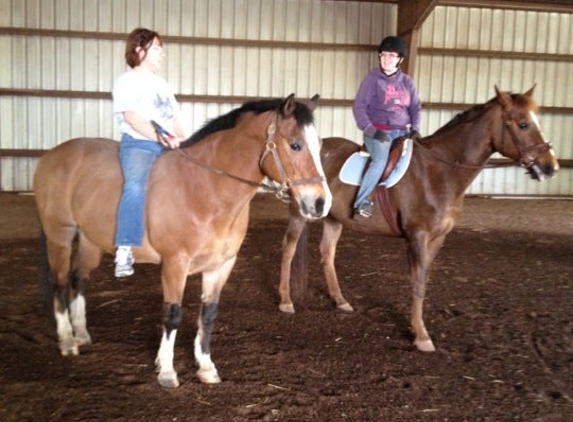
280 189
526 159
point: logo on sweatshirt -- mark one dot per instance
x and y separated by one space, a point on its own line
396 98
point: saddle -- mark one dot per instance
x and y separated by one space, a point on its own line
398 161
396 150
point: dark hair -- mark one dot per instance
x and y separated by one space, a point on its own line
394 44
139 37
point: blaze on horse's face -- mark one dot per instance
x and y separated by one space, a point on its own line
522 138
298 146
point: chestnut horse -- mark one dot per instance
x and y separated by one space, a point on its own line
426 202
196 214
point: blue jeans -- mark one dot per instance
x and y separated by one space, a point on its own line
379 152
136 158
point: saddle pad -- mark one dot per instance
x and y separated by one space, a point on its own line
353 169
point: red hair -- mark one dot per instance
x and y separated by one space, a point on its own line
142 38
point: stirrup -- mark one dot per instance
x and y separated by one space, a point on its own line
364 210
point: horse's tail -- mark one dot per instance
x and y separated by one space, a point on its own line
299 265
45 275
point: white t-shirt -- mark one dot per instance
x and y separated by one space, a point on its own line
146 94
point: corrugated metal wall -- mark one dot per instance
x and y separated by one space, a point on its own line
80 64
91 64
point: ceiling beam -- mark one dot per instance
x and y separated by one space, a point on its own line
556 6
411 15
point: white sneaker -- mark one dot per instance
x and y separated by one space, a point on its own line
123 261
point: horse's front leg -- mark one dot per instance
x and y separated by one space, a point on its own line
330 235
173 280
289 247
213 282
421 253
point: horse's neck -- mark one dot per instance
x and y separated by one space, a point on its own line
234 152
461 150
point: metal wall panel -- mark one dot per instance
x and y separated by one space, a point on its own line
83 64
92 64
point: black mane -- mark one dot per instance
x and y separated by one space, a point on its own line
302 114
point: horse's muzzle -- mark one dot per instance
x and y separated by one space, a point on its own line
313 209
543 170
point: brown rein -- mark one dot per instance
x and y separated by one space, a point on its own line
280 190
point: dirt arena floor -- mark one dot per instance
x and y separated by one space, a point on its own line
499 308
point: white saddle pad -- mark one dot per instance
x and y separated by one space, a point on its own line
353 169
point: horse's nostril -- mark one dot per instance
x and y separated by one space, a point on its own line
319 206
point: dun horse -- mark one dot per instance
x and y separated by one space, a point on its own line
427 201
197 212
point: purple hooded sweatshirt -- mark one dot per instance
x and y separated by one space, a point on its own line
387 103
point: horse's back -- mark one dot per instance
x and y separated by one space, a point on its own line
62 163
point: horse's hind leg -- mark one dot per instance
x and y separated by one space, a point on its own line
59 255
87 258
289 248
69 301
330 235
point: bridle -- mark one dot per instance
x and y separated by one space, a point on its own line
526 158
281 189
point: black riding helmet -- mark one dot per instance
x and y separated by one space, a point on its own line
395 45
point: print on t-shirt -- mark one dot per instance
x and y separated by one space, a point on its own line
164 106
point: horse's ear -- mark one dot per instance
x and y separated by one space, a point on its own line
503 98
313 102
289 105
530 92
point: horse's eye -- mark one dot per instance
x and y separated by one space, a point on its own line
523 126
296 146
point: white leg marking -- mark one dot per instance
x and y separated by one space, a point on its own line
65 331
167 376
78 317
207 372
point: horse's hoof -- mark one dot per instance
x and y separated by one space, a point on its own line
83 340
346 307
69 348
425 345
287 308
168 380
208 376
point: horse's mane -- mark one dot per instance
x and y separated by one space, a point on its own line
468 115
302 114
519 100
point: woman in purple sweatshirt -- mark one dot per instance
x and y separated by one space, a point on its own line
386 103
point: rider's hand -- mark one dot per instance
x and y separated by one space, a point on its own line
415 135
380 135
173 142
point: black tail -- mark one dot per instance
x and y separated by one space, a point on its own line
45 275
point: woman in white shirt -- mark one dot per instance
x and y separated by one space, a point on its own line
140 96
